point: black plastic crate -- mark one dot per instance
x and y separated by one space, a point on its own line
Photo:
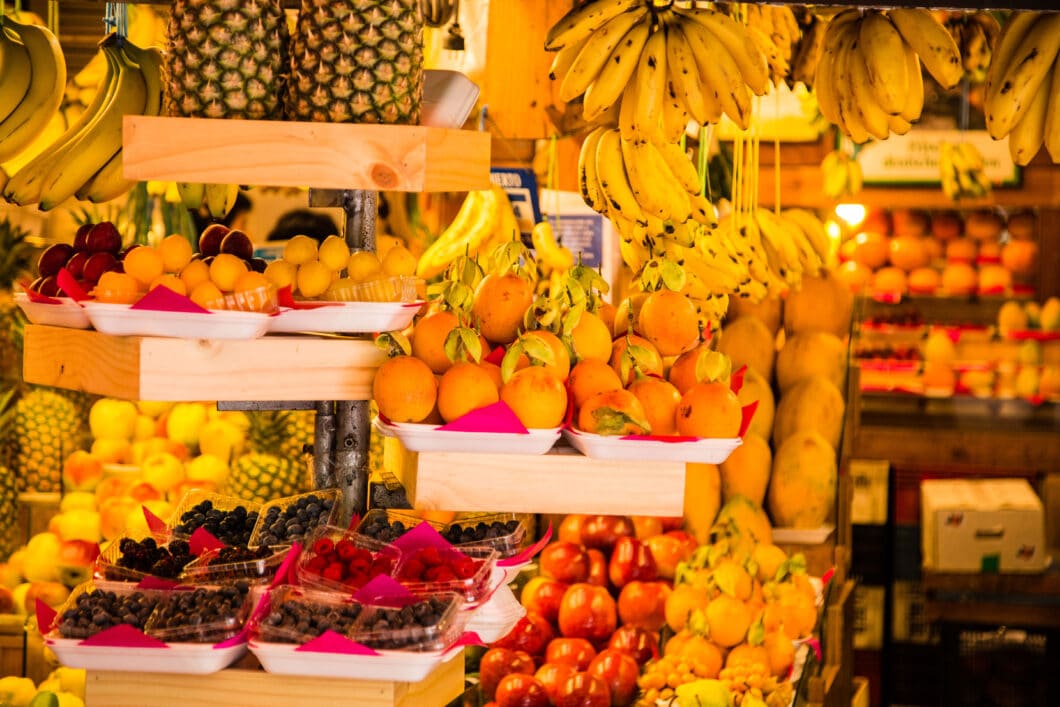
997 666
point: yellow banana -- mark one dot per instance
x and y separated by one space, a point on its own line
720 74
873 116
734 37
651 87
674 116
594 53
814 231
548 251
880 44
585 19
564 59
219 199
778 236
473 225
614 183
679 204
898 125
106 184
588 183
703 212
808 54
685 80
850 121
680 166
932 43
613 78
627 110
1051 129
647 189
824 82
1028 134
914 97
15 73
191 194
1030 64
1008 42
45 92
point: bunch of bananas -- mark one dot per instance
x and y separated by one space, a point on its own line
217 198
485 219
1022 96
86 160
976 34
808 52
776 33
551 256
678 63
962 170
868 79
841 174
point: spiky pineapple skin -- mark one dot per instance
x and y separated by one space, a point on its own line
357 61
9 538
265 477
227 59
298 433
47 427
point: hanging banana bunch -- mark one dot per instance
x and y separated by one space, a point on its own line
962 171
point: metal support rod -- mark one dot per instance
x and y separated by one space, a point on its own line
323 445
351 455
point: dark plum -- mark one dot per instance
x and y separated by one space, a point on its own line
81 237
96 265
238 244
76 263
211 238
104 238
54 258
48 286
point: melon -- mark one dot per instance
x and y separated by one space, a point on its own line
768 311
802 487
742 516
757 388
812 353
746 471
821 304
813 404
748 342
702 499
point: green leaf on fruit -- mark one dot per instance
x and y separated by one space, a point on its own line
713 366
610 421
672 276
537 350
463 343
394 343
756 634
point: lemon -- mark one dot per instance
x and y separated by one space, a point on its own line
334 253
176 252
193 273
225 270
300 250
399 261
280 273
363 265
313 278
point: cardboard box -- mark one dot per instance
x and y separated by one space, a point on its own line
988 525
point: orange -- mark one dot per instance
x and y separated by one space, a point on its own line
683 371
176 252
683 600
613 412
659 398
890 281
959 279
746 654
606 312
962 250
591 338
908 252
225 269
144 263
590 377
702 655
856 276
780 653
1021 257
300 250
171 281
732 579
313 278
924 280
709 410
870 249
193 273
798 614
536 397
206 294
651 363
994 278
668 320
728 618
404 389
494 372
463 388
117 288
499 305
428 339
561 366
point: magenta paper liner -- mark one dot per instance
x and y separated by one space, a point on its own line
151 582
37 297
497 417
331 642
285 572
203 540
526 554
383 590
154 523
1033 334
123 636
163 299
286 299
68 284
45 616
495 356
736 380
748 413
423 536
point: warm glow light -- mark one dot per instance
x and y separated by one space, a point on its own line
835 235
851 214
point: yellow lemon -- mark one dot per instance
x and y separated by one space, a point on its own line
280 273
399 261
300 250
363 265
313 279
334 253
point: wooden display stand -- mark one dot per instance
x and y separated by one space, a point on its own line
832 686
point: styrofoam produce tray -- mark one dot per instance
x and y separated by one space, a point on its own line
67 313
399 666
707 451
122 320
346 317
190 658
494 619
428 438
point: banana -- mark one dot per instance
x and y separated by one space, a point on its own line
15 73
685 80
219 198
612 79
645 183
778 66
1028 134
781 237
872 114
614 183
721 74
1030 64
974 45
472 226
808 54
679 165
627 110
880 44
1008 42
809 258
106 184
898 125
824 82
548 251
587 179
674 116
150 61
703 212
651 87
850 121
585 19
914 97
191 194
1052 120
716 280
932 43
564 59
595 51
45 92
683 234
734 37
668 185
814 231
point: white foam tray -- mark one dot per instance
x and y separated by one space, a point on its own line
707 451
122 320
67 313
494 619
346 317
428 438
189 658
399 666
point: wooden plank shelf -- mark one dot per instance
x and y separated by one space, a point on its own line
245 688
299 154
156 368
562 481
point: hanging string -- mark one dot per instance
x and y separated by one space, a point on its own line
110 18
123 20
53 17
552 176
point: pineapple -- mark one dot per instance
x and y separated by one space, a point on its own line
357 61
15 257
47 426
269 469
227 59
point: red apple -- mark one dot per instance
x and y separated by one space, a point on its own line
639 643
76 264
587 611
498 662
238 244
531 634
552 676
602 532
667 551
75 561
597 568
583 690
542 596
103 238
575 652
630 560
570 528
565 561
81 471
686 538
646 526
671 522
519 690
643 604
620 672
7 601
47 286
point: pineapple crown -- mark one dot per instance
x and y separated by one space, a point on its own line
16 254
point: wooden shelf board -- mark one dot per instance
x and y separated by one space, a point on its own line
155 368
562 481
298 154
239 688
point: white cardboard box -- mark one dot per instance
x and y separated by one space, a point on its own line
988 525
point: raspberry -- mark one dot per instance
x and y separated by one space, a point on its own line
381 565
335 572
316 564
413 569
465 568
440 573
323 546
346 550
431 556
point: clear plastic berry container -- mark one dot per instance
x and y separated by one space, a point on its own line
122 603
413 572
397 288
430 623
203 614
183 521
342 561
118 562
260 299
300 614
321 508
231 564
503 532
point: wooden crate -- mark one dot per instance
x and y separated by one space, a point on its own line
297 154
255 688
562 481
155 368
833 685
12 644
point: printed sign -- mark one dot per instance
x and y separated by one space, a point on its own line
913 158
521 187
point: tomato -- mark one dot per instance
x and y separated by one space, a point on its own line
643 604
641 644
630 560
519 690
667 551
583 690
565 561
531 634
498 662
597 568
587 611
620 672
570 528
542 596
646 527
575 652
552 676
602 532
